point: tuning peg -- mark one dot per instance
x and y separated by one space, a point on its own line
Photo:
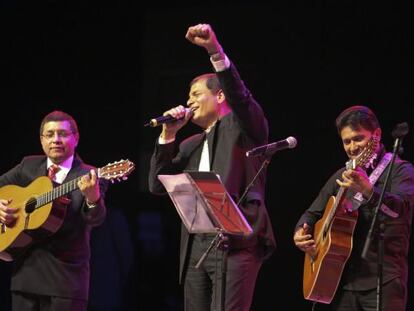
112 181
125 178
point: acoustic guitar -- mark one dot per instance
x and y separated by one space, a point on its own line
40 214
333 235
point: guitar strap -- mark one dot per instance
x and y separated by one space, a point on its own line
358 200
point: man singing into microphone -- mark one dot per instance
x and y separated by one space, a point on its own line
233 123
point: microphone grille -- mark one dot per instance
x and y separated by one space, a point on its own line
292 142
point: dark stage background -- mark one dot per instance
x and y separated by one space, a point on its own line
114 67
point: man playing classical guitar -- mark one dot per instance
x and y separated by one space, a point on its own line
53 274
355 288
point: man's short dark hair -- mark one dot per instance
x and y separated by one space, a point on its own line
212 82
356 117
56 116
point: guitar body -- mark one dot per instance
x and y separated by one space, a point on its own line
31 223
323 270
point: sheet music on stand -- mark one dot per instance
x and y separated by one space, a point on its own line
203 203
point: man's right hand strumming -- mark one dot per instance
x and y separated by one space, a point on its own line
303 239
7 214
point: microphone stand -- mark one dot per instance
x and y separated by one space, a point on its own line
399 132
220 241
265 163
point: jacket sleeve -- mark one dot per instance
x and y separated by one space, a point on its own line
95 216
163 162
399 197
249 113
12 176
317 208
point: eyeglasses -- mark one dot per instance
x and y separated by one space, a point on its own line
60 134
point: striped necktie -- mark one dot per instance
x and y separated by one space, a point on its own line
53 169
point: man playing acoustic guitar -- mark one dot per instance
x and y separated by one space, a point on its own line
332 231
53 274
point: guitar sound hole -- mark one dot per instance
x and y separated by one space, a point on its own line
30 205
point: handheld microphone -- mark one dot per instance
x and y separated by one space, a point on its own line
164 119
269 149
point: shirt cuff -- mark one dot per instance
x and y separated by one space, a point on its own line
91 205
389 212
221 64
163 141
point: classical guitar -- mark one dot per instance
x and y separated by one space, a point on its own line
333 238
39 212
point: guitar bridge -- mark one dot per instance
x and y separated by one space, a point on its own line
3 228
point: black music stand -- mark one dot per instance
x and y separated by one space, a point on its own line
205 206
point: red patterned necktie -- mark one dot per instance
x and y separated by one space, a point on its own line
53 169
51 173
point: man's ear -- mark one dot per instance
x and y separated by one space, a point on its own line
220 96
377 133
77 139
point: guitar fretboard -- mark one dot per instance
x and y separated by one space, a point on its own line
338 201
57 192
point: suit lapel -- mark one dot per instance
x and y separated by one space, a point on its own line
42 169
74 171
212 142
194 151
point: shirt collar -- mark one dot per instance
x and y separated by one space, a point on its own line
64 166
207 130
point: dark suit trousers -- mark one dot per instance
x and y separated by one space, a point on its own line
202 287
394 297
30 302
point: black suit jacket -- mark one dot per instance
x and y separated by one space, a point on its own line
57 265
244 128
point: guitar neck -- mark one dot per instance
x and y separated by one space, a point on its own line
57 192
117 170
338 201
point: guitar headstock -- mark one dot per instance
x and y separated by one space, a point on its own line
366 157
118 170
